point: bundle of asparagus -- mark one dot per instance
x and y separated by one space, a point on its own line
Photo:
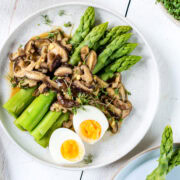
33 114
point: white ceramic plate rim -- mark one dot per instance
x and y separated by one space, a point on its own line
137 156
156 101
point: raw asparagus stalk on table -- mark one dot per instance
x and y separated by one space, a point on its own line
40 130
35 111
44 141
16 104
122 64
111 35
86 24
90 40
103 58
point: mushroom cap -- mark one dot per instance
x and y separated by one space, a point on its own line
63 71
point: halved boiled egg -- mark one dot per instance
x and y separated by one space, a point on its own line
66 146
90 124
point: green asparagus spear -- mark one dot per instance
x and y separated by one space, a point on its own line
19 101
166 152
111 35
44 142
40 130
86 24
18 125
124 50
175 160
90 40
35 111
103 58
119 65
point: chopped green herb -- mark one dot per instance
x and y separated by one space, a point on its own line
116 91
55 78
46 19
84 99
88 159
38 24
61 12
102 90
129 93
69 91
37 37
68 24
52 34
74 110
20 46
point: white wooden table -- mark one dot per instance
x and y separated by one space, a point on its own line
164 38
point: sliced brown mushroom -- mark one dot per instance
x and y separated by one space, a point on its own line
101 83
122 105
42 58
43 88
50 83
61 84
84 52
91 60
64 43
67 103
80 85
29 48
29 83
122 92
20 67
77 73
40 43
63 71
113 125
117 81
16 55
111 93
68 124
125 113
56 52
114 109
57 107
87 76
34 75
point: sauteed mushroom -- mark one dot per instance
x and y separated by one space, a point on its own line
87 76
84 52
63 71
91 60
19 54
64 43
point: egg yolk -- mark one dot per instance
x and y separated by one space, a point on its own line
90 129
70 149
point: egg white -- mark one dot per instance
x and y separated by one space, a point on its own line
90 113
57 139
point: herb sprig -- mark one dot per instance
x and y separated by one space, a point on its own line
46 19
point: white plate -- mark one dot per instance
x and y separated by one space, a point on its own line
142 81
169 16
143 164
